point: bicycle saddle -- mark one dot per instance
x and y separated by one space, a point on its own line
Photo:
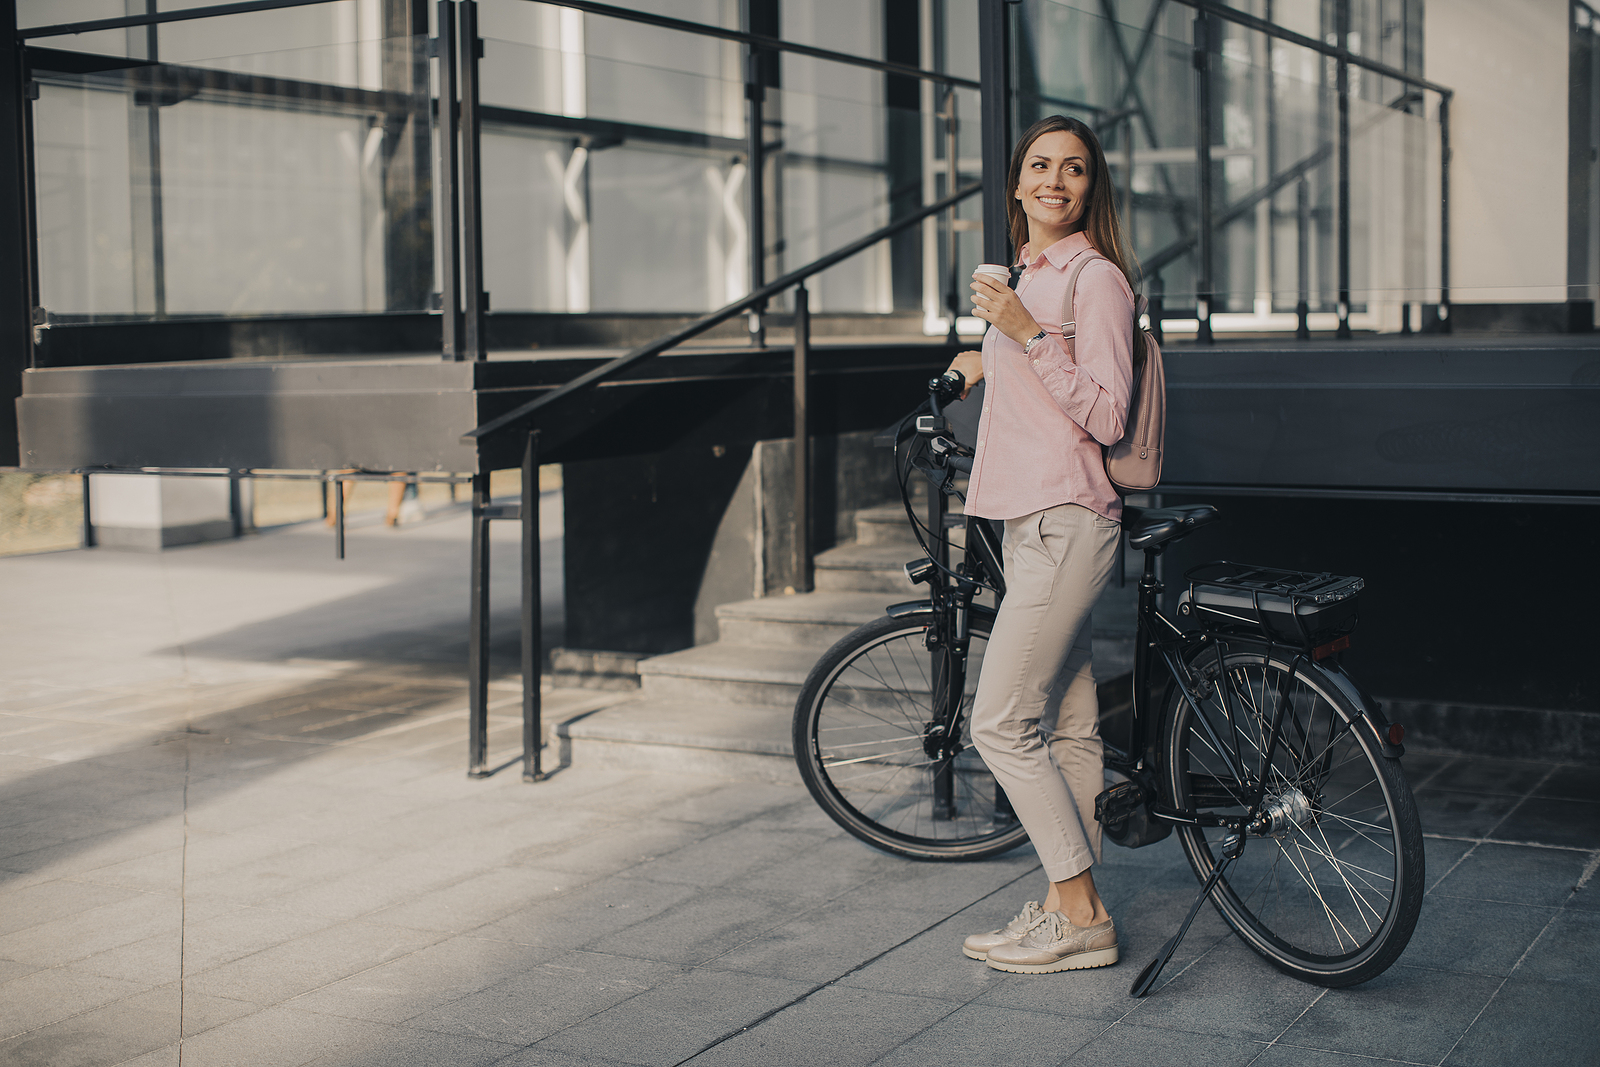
1153 527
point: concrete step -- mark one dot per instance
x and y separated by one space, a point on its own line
866 568
883 525
811 620
721 740
762 676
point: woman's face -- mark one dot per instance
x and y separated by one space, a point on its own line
1054 187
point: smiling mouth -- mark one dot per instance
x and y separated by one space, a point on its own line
1052 201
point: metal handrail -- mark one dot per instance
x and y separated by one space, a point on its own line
678 337
702 29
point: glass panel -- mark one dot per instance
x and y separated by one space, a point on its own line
293 181
1274 126
615 170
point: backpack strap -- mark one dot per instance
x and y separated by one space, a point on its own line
1069 320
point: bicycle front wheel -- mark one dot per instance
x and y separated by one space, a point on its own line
1330 880
862 741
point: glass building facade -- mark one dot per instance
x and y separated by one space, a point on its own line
285 162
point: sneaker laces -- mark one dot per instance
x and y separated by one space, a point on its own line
1049 929
1026 919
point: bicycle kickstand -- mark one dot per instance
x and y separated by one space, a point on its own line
1232 845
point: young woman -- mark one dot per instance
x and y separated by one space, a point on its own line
1046 413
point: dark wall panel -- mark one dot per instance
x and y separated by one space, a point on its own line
1467 603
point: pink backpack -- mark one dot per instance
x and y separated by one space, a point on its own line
1134 463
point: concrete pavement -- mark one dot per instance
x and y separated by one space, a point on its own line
236 829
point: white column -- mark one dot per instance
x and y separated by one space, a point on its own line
146 513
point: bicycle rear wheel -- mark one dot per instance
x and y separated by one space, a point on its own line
1329 885
861 741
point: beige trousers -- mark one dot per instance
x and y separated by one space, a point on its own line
1035 717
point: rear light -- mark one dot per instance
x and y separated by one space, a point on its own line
1397 733
1338 644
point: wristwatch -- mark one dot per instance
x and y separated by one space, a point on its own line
1026 345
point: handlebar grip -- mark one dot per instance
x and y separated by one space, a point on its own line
945 388
960 463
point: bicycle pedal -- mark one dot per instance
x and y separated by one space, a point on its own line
1118 803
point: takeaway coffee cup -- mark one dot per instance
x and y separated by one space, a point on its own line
995 270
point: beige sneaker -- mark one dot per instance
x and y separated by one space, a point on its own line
978 945
1054 944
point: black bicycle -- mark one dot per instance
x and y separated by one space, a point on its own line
1280 775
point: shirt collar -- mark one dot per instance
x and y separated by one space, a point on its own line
1063 251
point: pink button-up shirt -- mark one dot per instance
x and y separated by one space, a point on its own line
1045 417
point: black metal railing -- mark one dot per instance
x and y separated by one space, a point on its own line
522 419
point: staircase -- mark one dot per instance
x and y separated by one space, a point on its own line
724 709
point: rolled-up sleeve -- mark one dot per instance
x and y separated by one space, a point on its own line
1094 391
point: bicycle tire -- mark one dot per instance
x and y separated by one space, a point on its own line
859 728
1330 892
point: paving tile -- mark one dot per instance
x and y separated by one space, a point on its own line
154 959
1422 767
1572 782
426 979
1228 991
273 876
1467 814
47 901
827 941
241 931
1551 821
276 974
612 847
701 928
1516 1027
583 915
986 1034
1128 1043
1473 936
161 1057
156 873
929 965
48 996
711 803
1440 857
1515 874
476 900
722 857
1284 1054
109 1034
1480 774
548 996
544 1056
838 1027
1565 951
1406 1013
85 933
281 1035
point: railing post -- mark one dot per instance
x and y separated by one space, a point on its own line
1444 213
1302 309
86 538
1202 66
952 164
994 73
532 617
755 91
448 195
1341 9
1158 307
473 296
802 441
478 635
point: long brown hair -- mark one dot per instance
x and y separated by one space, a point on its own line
1100 222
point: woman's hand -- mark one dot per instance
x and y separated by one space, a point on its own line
970 366
998 304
